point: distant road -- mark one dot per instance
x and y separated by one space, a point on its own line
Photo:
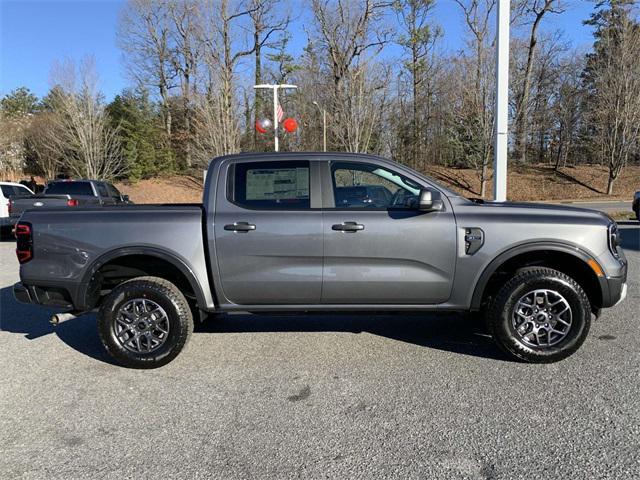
615 206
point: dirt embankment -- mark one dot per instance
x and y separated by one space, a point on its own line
541 183
530 183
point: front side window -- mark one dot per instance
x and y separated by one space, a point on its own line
361 185
271 185
102 190
113 192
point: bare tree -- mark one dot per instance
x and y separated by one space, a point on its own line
479 99
12 152
223 39
613 75
185 59
567 108
42 141
538 9
418 38
267 21
83 137
145 35
348 30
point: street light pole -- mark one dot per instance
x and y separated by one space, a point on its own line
324 126
500 149
275 89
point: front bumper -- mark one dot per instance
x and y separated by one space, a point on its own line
615 289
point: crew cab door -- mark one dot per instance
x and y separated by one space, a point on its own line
268 238
378 248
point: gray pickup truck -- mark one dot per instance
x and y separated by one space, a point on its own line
69 193
286 233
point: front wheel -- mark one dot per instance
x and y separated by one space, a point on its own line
145 322
540 315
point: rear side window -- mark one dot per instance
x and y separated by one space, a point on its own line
69 188
271 185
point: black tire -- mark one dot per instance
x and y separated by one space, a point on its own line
178 314
501 311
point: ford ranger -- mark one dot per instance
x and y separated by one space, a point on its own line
287 233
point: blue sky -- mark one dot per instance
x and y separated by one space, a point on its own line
33 34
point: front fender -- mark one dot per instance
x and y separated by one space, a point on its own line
567 248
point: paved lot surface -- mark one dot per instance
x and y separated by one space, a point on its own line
319 397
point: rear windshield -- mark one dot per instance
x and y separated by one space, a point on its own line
69 188
10 191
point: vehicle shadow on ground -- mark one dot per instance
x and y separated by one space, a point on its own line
630 237
451 332
32 322
448 332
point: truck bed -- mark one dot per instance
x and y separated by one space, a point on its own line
69 243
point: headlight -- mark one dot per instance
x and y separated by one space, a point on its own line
614 239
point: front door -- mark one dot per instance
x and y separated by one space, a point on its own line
379 249
268 239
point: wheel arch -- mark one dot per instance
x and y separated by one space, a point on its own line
139 261
566 258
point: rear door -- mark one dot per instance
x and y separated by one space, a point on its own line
268 232
378 248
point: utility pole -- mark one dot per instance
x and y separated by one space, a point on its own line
324 126
275 89
501 120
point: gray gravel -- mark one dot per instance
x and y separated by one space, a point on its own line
323 396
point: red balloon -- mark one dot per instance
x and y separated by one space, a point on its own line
290 125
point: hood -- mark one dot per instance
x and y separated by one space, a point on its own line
553 211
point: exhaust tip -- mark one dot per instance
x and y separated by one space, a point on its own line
58 318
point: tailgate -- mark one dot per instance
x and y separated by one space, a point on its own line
19 204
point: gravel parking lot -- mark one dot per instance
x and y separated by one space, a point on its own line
322 396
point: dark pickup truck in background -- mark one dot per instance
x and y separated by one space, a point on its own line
303 232
69 193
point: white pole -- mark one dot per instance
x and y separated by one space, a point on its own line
275 117
502 98
275 108
324 130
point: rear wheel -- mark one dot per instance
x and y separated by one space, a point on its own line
540 315
145 322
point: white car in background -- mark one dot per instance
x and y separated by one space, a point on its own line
9 190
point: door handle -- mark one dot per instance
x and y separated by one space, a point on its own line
348 227
240 227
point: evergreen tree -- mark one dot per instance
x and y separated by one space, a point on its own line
144 143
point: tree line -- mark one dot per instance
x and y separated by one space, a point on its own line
378 68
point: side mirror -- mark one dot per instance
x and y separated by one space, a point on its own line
125 198
427 203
